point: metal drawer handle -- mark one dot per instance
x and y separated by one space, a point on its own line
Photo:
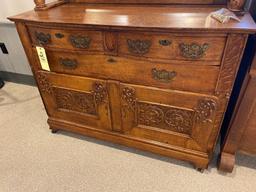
139 47
163 75
42 38
69 63
164 42
80 41
193 50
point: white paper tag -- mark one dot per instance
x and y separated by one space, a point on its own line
43 58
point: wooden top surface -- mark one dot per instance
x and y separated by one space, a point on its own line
178 17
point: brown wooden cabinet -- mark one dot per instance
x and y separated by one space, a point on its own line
157 83
241 134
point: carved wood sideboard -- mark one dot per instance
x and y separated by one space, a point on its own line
153 77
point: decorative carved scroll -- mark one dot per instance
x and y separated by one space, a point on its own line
81 42
139 47
128 106
170 118
193 50
150 114
128 95
75 101
42 38
43 83
205 110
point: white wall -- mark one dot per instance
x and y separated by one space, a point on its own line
13 7
16 60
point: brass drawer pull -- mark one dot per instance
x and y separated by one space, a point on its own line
42 38
139 47
165 42
59 35
80 41
193 50
163 75
69 63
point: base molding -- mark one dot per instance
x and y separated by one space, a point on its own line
198 159
17 78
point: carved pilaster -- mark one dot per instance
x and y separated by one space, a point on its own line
229 67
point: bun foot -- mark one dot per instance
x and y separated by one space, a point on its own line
201 170
54 131
226 162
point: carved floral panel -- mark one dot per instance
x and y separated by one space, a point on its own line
170 118
75 101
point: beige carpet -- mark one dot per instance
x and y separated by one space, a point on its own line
34 160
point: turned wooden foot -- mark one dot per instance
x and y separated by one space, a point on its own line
201 170
226 162
54 130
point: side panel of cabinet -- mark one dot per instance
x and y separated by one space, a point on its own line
75 99
171 117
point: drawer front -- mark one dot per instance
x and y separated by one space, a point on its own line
207 49
176 118
163 46
171 76
67 39
75 99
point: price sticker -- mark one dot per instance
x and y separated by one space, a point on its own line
43 58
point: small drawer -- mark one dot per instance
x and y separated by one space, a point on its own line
67 39
171 46
170 76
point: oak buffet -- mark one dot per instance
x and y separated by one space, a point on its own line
154 75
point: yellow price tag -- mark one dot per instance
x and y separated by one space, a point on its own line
43 58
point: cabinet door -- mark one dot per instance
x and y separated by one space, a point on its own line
167 117
75 99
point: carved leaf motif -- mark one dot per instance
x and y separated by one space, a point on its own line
205 110
193 50
44 83
139 47
99 92
128 108
128 95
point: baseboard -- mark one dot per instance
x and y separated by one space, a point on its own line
17 78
